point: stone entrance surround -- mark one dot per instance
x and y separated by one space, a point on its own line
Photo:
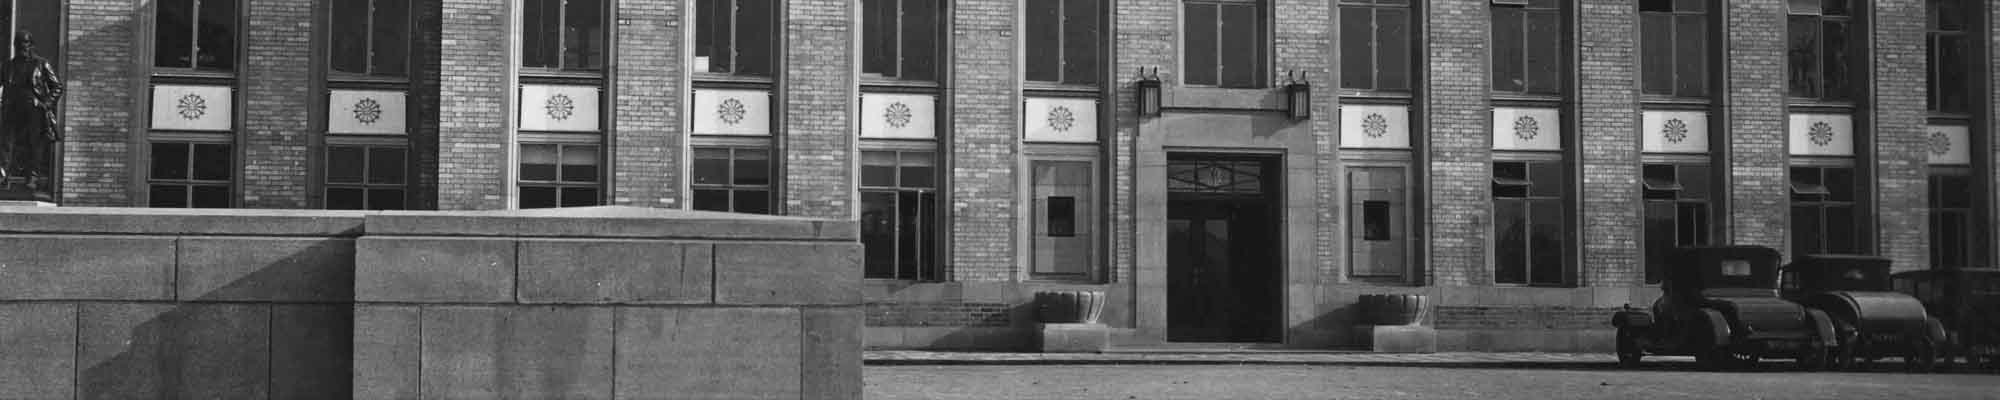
574 303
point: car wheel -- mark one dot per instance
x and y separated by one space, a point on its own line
1922 356
1844 345
1815 357
1628 348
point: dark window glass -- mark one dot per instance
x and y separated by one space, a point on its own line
538 197
391 27
1062 40
170 161
899 219
1527 47
1529 240
346 198
386 199
1674 47
753 167
215 41
1947 51
212 162
173 35
1660 238
583 34
1357 47
735 36
559 175
541 32
1824 219
209 196
1510 241
190 175
577 196
1691 59
1224 44
1677 212
752 202
345 164
1820 50
538 162
1081 36
370 37
1375 220
1201 41
562 34
1043 39
195 34
385 165
579 164
1546 247
1062 216
349 47
365 177
711 200
732 179
901 39
878 234
710 166
167 196
1375 45
1392 49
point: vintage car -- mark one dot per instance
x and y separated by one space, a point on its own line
1720 304
1967 301
1870 318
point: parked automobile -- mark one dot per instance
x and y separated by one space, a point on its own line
1870 319
1967 302
1720 304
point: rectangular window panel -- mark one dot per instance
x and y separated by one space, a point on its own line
349 37
170 161
752 167
921 36
915 170
1043 37
1081 36
583 35
878 234
1392 49
1692 224
167 196
574 196
1835 65
538 197
212 162
1061 216
346 198
1547 237
173 34
878 168
386 199
538 162
541 33
391 30
1200 52
1658 50
1691 60
215 41
756 37
1241 38
1841 230
1510 241
1804 56
1806 230
751 202
1375 220
1660 238
1508 54
385 165
345 164
909 232
1544 52
713 34
1548 179
711 200
1357 48
1694 181
710 166
579 164
209 196
878 37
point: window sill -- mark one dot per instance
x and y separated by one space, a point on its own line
1059 89
359 79
1797 105
1212 98
1516 100
701 78
1658 102
877 82
541 75
190 76
1942 118
1351 96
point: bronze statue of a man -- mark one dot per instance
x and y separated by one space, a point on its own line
29 93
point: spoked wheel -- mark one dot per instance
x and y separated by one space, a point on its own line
1628 349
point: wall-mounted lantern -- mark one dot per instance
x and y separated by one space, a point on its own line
1149 92
1299 97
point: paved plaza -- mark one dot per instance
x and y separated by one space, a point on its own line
939 375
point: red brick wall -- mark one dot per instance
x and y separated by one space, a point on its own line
646 131
98 106
983 103
1459 126
1897 120
818 99
473 109
1759 202
1607 121
276 133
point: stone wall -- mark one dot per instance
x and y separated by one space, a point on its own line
582 303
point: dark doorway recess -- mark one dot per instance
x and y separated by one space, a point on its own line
1224 253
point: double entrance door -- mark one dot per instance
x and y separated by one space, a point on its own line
1224 260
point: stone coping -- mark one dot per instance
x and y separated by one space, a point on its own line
163 221
598 222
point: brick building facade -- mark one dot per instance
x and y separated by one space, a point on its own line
1519 160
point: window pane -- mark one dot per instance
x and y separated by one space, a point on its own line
1392 48
1544 52
917 171
1694 182
878 168
579 164
541 29
1954 82
878 234
210 196
1956 191
167 196
753 201
538 163
173 40
927 207
1803 56
1043 38
711 199
1691 76
1080 38
1692 229
1656 52
1842 230
711 37
583 36
1357 48
385 199
1656 5
1547 235
1200 50
909 232
920 40
538 197
1811 7
1507 52
755 40
1806 231
392 37
1548 178
1835 65
878 37
170 161
212 162
1835 7
1840 184
1660 237
1241 39
1061 215
710 166
346 199
1375 220
216 43
345 164
385 165
579 196
1510 241
349 52
753 167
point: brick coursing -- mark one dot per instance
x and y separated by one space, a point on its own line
1523 317
1143 37
1988 126
1759 201
819 99
648 87
1459 123
1607 121
937 314
1301 43
1897 113
99 103
276 136
984 106
424 99
473 105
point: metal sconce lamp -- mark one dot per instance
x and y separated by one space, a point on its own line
1149 92
1299 96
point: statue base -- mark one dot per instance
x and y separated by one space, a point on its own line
20 189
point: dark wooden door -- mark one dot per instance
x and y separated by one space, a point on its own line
1223 264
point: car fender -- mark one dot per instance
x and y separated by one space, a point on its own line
1823 327
1718 327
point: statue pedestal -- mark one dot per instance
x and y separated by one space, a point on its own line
15 191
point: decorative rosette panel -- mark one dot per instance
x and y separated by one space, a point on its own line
1821 135
366 112
1069 120
732 112
1536 129
559 108
898 116
1948 144
193 108
1374 126
1674 131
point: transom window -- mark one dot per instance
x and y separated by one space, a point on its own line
732 179
1527 46
735 37
1948 49
560 175
1243 177
1677 201
195 34
1674 46
1822 41
1375 45
900 39
190 175
1824 219
899 215
366 177
1225 43
1062 40
564 35
370 37
1529 238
